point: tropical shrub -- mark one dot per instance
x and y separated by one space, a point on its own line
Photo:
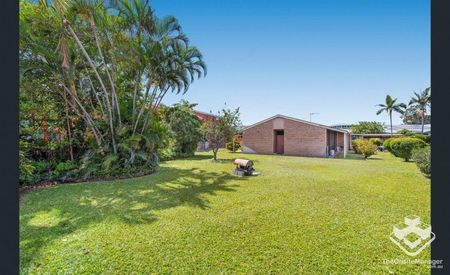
355 144
65 170
422 157
366 147
85 103
387 144
403 147
26 167
376 141
168 152
229 145
185 127
425 138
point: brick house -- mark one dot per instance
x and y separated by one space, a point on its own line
291 136
204 117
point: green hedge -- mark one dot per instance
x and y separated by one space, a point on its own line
376 141
422 157
387 144
422 137
403 147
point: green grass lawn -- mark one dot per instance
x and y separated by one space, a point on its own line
301 215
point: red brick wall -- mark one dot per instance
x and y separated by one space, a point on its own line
304 139
259 138
299 138
340 139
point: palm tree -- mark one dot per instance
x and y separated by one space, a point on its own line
103 62
390 106
421 101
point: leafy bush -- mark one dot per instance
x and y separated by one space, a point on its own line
387 144
43 166
406 132
168 152
425 138
65 171
26 167
136 153
65 166
365 147
422 157
229 145
376 141
185 127
403 147
355 144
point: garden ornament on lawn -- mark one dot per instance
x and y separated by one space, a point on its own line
244 167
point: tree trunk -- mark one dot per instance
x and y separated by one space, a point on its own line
147 90
423 120
68 130
215 150
100 103
111 82
44 127
390 117
136 87
91 63
87 118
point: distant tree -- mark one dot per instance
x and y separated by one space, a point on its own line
368 127
389 106
413 115
421 102
221 129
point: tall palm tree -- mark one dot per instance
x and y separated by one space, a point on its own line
421 101
389 106
104 62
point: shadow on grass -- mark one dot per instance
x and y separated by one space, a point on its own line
219 160
131 201
200 157
353 156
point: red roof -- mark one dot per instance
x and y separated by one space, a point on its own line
204 116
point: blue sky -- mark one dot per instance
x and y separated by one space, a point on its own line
335 58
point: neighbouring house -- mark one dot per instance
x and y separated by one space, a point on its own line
204 117
383 136
416 128
291 136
